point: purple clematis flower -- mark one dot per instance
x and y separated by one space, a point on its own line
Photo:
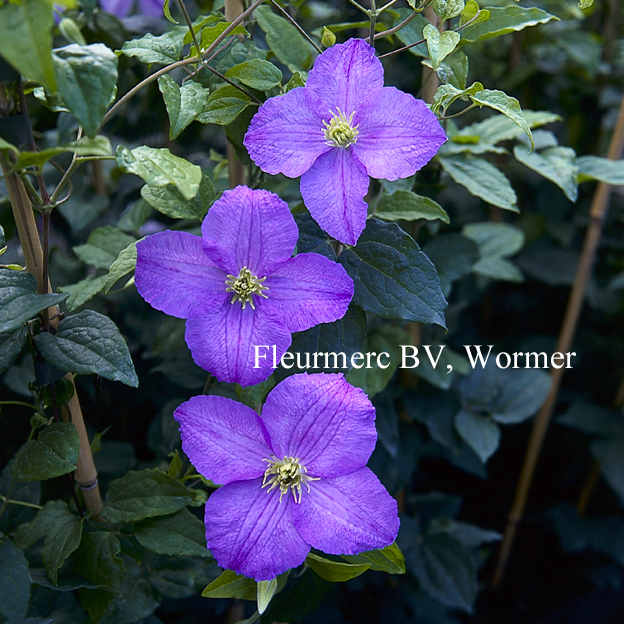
342 127
121 8
238 286
293 478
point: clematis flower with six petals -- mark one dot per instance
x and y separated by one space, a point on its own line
293 478
237 285
338 130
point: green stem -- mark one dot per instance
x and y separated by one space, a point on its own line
359 6
22 403
373 21
398 27
22 503
287 15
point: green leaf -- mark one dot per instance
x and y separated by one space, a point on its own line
252 396
26 40
609 454
257 74
447 94
335 571
482 179
224 106
178 534
392 277
411 33
453 256
472 11
389 559
454 70
145 494
410 207
295 81
164 50
593 419
265 592
123 264
83 291
11 345
87 343
14 581
97 559
496 128
440 45
87 81
445 569
231 585
601 169
509 106
447 9
211 33
103 246
284 40
97 146
55 453
159 167
170 202
385 339
557 164
504 20
183 103
19 300
481 433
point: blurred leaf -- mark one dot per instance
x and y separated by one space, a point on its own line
164 50
334 571
87 81
54 453
123 264
83 291
26 40
19 300
170 202
392 277
410 207
601 169
610 456
231 585
469 535
389 559
103 246
481 433
11 345
257 74
453 256
86 343
482 179
159 167
223 106
284 40
179 534
97 146
145 494
183 103
593 419
14 581
504 20
411 33
384 339
557 164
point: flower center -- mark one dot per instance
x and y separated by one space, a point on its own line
244 286
340 131
287 474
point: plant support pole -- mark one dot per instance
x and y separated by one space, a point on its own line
598 213
85 474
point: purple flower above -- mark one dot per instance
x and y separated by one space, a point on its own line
293 478
342 127
237 284
121 8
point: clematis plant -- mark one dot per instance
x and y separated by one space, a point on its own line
293 478
338 130
121 8
237 284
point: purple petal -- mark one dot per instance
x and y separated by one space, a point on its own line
151 7
249 531
333 191
173 274
287 135
307 290
345 74
225 440
398 134
222 342
120 8
347 515
252 229
321 420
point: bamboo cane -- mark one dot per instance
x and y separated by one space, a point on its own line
598 213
